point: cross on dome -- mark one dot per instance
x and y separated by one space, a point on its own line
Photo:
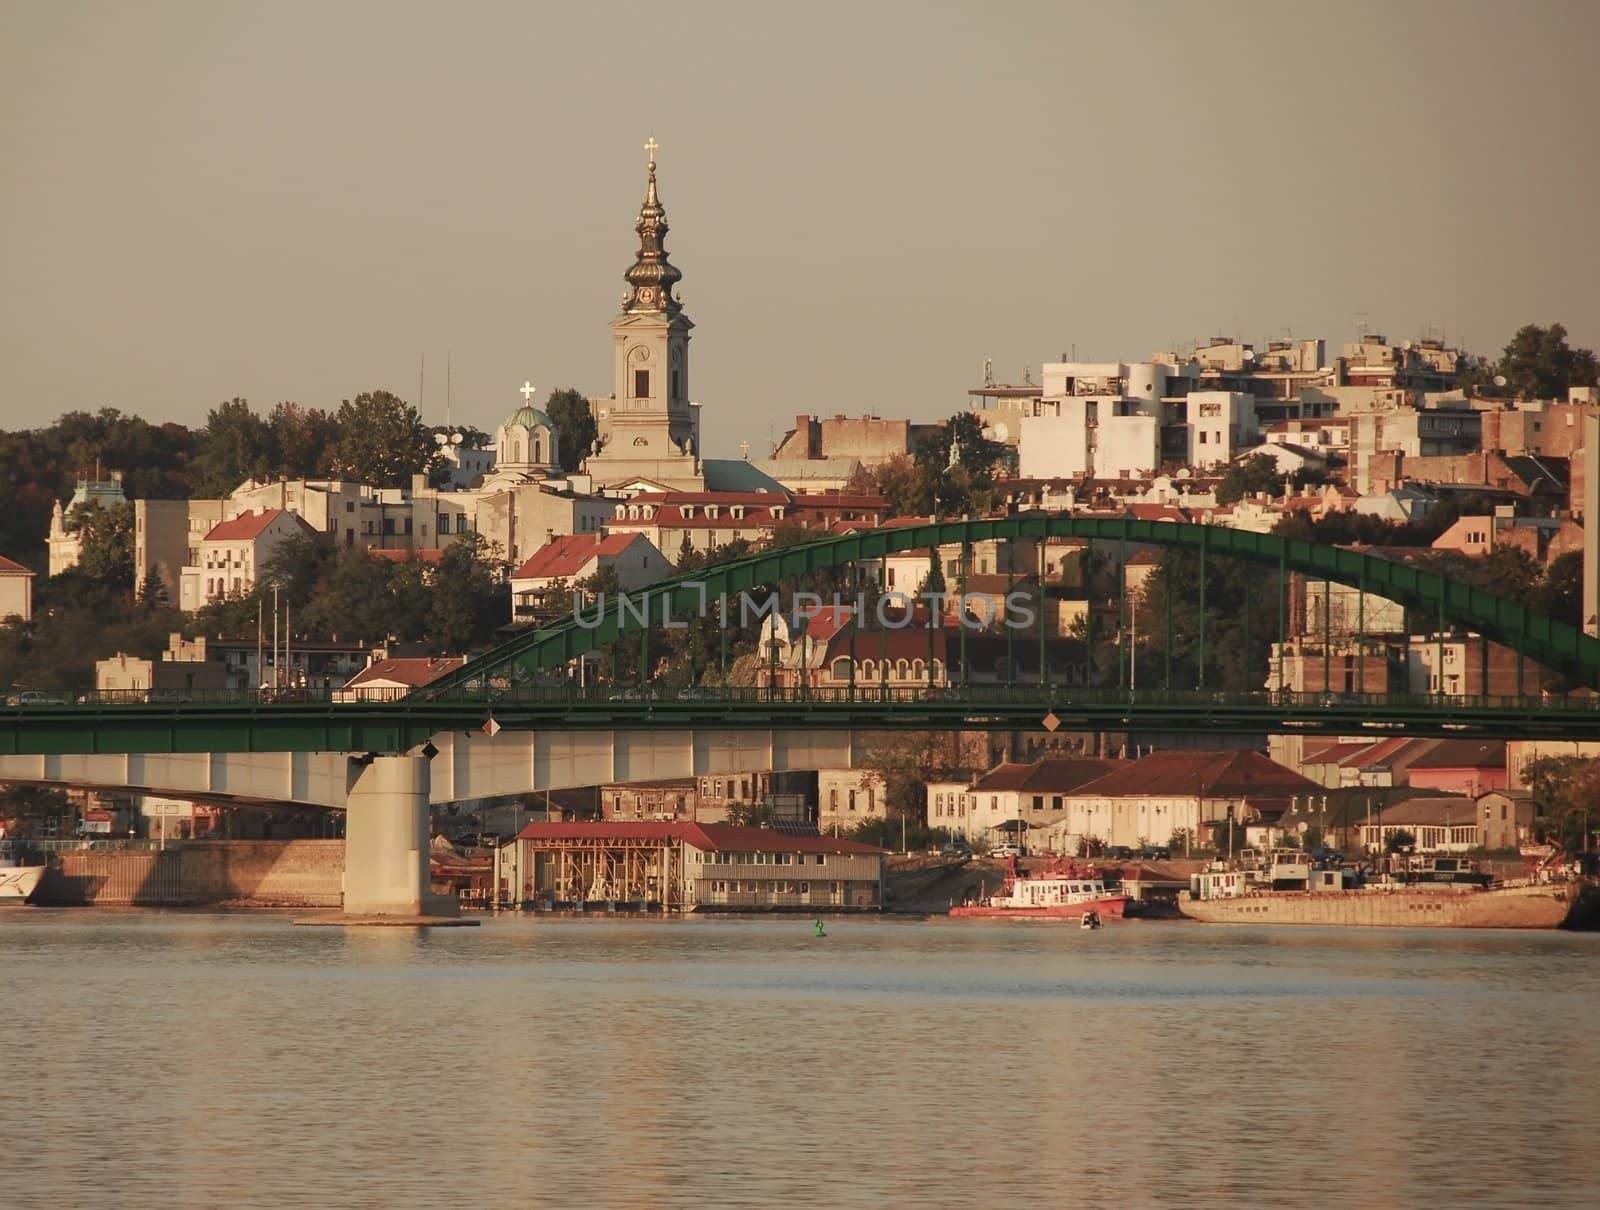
529 391
651 147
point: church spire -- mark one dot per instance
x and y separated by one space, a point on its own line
652 276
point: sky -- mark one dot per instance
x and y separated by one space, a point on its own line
302 201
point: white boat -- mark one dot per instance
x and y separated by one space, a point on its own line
1063 891
17 881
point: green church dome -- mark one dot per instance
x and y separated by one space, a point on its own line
529 417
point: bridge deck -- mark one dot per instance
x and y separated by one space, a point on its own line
96 723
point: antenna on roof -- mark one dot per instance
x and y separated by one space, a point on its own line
422 373
447 388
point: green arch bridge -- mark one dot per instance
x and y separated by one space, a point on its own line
510 684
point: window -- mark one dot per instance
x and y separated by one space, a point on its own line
676 392
641 384
852 800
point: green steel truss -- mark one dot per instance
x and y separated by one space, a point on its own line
1560 647
503 684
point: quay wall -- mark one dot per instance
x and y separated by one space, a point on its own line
266 873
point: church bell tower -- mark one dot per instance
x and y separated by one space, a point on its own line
650 419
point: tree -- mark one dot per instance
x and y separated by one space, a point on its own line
1247 476
382 441
1559 594
1539 364
236 445
297 567
470 597
900 481
301 440
107 552
354 597
957 466
1228 836
576 430
1565 791
907 761
1399 841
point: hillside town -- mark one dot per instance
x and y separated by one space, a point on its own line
363 555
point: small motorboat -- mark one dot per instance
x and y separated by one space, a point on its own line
1090 920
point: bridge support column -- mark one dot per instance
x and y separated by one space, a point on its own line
386 842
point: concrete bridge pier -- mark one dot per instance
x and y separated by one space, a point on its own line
386 845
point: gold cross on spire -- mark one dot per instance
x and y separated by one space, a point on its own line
651 147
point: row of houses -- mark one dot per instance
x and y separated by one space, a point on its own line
1181 797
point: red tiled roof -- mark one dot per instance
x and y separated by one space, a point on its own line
715 837
1463 754
1156 512
248 526
1187 772
430 555
1049 776
1374 755
8 568
570 554
825 622
410 671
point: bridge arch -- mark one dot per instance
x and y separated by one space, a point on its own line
1554 644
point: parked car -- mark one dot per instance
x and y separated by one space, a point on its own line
955 848
1006 850
1155 852
39 697
1119 852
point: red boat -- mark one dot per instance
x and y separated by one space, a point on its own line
1062 892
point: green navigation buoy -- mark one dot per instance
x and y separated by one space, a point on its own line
819 930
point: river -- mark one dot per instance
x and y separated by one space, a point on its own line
198 1060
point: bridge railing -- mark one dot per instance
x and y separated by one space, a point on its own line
980 694
899 692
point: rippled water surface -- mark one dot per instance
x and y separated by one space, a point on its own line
188 1060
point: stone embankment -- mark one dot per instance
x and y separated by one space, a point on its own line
253 873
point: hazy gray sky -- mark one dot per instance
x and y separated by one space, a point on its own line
295 201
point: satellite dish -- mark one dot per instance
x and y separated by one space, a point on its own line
1406 345
457 438
441 439
1249 354
1499 380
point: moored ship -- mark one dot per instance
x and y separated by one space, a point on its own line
1062 891
1433 893
17 881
